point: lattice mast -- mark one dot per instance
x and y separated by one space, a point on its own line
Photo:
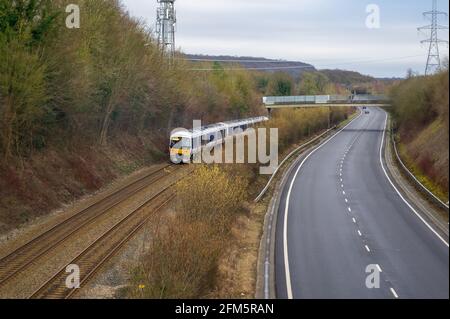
165 26
433 60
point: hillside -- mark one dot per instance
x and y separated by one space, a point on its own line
298 68
346 80
420 109
76 115
347 77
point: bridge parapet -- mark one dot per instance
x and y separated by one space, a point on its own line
325 100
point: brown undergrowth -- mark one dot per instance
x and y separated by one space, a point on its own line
46 180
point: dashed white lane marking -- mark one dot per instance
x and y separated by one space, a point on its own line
394 293
286 210
349 209
346 200
367 248
342 185
343 192
359 233
354 220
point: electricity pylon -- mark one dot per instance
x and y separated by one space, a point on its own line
434 60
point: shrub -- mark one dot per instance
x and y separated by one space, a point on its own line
210 194
182 261
418 101
184 253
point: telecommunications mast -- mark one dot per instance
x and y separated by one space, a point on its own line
165 26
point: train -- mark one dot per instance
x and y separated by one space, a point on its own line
185 144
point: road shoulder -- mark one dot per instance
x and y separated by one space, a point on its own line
432 214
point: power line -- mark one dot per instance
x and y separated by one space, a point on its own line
433 60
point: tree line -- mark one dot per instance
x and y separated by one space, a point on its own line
105 78
109 77
419 100
321 82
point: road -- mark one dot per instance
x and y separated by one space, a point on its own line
339 213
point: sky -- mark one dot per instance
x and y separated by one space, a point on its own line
325 33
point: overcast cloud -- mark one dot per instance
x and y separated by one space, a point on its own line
325 33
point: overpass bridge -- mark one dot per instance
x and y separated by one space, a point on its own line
306 101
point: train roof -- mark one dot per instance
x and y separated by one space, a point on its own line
213 128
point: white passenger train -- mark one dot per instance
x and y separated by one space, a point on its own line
185 144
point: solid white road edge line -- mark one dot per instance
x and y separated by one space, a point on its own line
398 192
286 210
394 292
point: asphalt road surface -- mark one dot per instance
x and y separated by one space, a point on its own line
340 214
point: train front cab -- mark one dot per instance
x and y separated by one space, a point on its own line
180 148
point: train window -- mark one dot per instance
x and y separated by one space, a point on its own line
174 141
179 142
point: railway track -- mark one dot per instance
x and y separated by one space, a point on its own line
23 257
91 259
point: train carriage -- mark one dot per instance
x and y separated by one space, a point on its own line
185 144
